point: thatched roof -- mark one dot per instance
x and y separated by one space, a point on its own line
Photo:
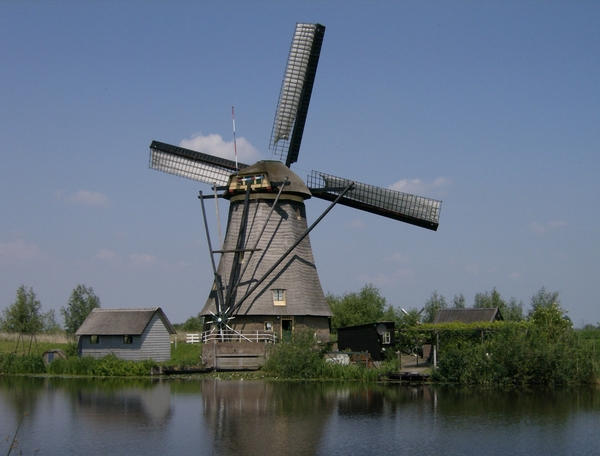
116 322
468 315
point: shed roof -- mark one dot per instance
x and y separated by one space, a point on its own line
468 315
112 322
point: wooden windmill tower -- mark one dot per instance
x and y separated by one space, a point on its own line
266 277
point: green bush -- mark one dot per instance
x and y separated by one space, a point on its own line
27 364
108 366
518 354
296 359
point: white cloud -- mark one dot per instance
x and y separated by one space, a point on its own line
133 259
106 255
85 197
19 250
214 144
419 187
142 259
538 228
396 258
515 276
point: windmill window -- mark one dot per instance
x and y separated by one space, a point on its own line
94 339
279 297
386 338
268 326
127 339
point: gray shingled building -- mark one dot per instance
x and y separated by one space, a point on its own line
291 297
132 334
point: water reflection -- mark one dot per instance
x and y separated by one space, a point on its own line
173 416
256 417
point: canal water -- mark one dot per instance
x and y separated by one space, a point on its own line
177 416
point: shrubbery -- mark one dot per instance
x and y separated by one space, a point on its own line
300 358
108 366
28 364
517 354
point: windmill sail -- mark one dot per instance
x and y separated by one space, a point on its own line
296 90
191 164
416 210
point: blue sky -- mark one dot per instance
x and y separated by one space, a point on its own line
492 107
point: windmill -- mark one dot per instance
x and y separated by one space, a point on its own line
266 277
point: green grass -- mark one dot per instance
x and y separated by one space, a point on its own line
184 355
27 346
28 358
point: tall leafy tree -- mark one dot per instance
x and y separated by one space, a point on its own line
511 310
51 326
433 305
412 317
544 298
488 300
193 324
81 303
24 315
459 301
546 313
365 306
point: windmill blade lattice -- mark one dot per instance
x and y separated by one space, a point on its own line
412 209
296 90
191 164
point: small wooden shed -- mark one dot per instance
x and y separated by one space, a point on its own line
52 354
375 338
132 334
468 315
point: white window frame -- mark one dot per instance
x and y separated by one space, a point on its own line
386 338
279 297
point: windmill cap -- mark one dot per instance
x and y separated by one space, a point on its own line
273 173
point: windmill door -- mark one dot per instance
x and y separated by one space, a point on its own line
287 328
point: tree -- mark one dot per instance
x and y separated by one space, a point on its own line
80 304
193 324
489 300
543 298
23 316
459 301
51 326
546 313
407 318
511 311
366 306
432 306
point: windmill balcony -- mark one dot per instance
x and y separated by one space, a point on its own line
239 336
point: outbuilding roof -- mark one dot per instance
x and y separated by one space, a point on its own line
468 315
114 322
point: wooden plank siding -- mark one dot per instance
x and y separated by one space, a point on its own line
154 343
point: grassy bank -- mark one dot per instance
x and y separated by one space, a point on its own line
503 354
298 360
24 356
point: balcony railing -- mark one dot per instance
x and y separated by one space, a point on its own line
239 336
